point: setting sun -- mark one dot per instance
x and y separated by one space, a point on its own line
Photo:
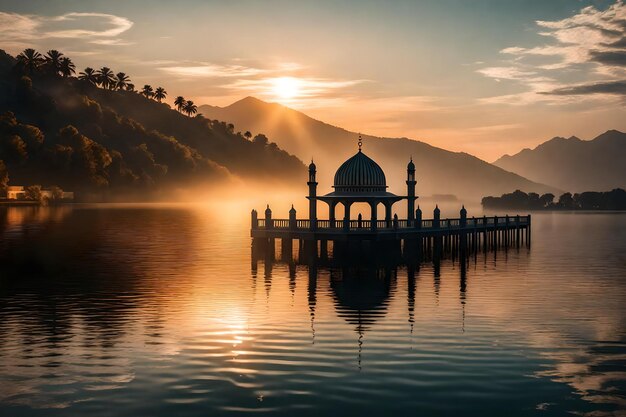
286 87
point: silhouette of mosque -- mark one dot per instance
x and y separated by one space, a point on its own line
361 180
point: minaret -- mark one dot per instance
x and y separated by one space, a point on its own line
312 196
410 191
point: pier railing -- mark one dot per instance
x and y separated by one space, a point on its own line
471 223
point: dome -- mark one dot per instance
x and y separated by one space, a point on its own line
361 298
411 165
360 174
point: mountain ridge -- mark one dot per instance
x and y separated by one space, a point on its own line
574 164
439 171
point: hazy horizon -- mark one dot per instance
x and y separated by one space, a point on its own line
486 78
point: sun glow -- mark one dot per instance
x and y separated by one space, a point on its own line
286 88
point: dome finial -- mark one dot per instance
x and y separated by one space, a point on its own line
360 142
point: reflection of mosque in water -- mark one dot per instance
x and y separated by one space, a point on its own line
361 295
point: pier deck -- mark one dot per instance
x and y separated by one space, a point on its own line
339 230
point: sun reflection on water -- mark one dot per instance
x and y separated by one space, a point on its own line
99 307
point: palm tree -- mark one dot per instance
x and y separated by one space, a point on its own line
180 103
121 80
53 61
160 94
147 91
90 75
30 59
105 77
190 108
67 67
130 87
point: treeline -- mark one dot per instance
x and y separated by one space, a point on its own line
589 200
31 62
97 136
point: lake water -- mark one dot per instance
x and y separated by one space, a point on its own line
160 311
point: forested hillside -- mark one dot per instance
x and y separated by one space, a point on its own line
97 135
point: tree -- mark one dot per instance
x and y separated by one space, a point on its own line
89 159
130 87
190 108
147 91
180 103
56 193
589 200
121 80
106 78
13 149
90 75
33 192
546 200
260 139
67 67
566 201
30 60
247 135
160 94
4 178
534 201
53 61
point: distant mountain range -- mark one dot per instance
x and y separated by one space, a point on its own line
573 164
438 171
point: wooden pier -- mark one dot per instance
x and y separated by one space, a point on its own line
361 180
418 239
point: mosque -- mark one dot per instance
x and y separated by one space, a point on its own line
361 180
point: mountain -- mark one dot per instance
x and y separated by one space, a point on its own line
438 171
68 132
573 164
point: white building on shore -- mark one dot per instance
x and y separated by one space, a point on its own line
17 192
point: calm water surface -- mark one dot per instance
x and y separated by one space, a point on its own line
160 311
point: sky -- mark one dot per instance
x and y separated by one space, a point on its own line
483 77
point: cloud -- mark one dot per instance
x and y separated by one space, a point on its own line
608 87
265 81
98 28
496 128
214 70
112 42
505 73
621 43
17 26
584 54
609 57
208 70
113 25
308 88
312 84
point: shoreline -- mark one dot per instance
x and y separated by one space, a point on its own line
29 203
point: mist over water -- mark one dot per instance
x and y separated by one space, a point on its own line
161 310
